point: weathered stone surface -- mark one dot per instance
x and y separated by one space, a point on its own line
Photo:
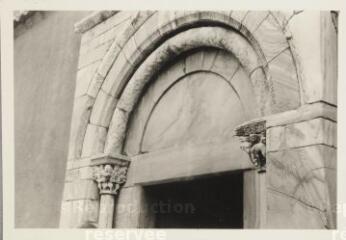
182 18
137 20
271 38
239 16
95 85
80 118
315 131
81 189
92 45
253 19
303 176
280 75
275 138
264 91
84 77
299 165
286 212
188 161
329 42
194 62
147 34
165 80
105 25
312 55
106 211
173 73
130 95
285 82
79 213
242 84
114 78
216 16
108 35
66 214
131 209
121 60
312 132
116 133
304 113
103 109
79 173
153 25
131 51
225 64
94 140
283 17
255 199
181 43
108 59
193 108
165 22
95 55
93 20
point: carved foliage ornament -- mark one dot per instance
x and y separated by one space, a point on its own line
252 137
109 178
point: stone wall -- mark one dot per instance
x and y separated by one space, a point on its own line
301 168
122 52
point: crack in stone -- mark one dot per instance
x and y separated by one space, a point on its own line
290 18
257 27
277 55
298 200
245 15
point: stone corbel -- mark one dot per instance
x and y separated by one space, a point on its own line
252 137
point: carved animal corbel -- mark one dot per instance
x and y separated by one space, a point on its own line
252 137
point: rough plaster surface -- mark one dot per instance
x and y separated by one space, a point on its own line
45 62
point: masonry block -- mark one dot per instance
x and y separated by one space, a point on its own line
94 140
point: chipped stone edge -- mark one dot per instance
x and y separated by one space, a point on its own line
92 20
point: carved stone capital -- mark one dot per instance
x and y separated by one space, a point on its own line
110 173
252 137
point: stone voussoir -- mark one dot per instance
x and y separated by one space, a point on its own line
103 109
271 38
80 118
94 140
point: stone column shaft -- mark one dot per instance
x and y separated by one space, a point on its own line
109 174
107 203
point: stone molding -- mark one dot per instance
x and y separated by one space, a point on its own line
252 137
148 32
306 112
204 36
96 160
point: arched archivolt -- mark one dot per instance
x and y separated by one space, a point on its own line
215 37
250 36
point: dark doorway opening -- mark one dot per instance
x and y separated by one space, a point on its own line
210 202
